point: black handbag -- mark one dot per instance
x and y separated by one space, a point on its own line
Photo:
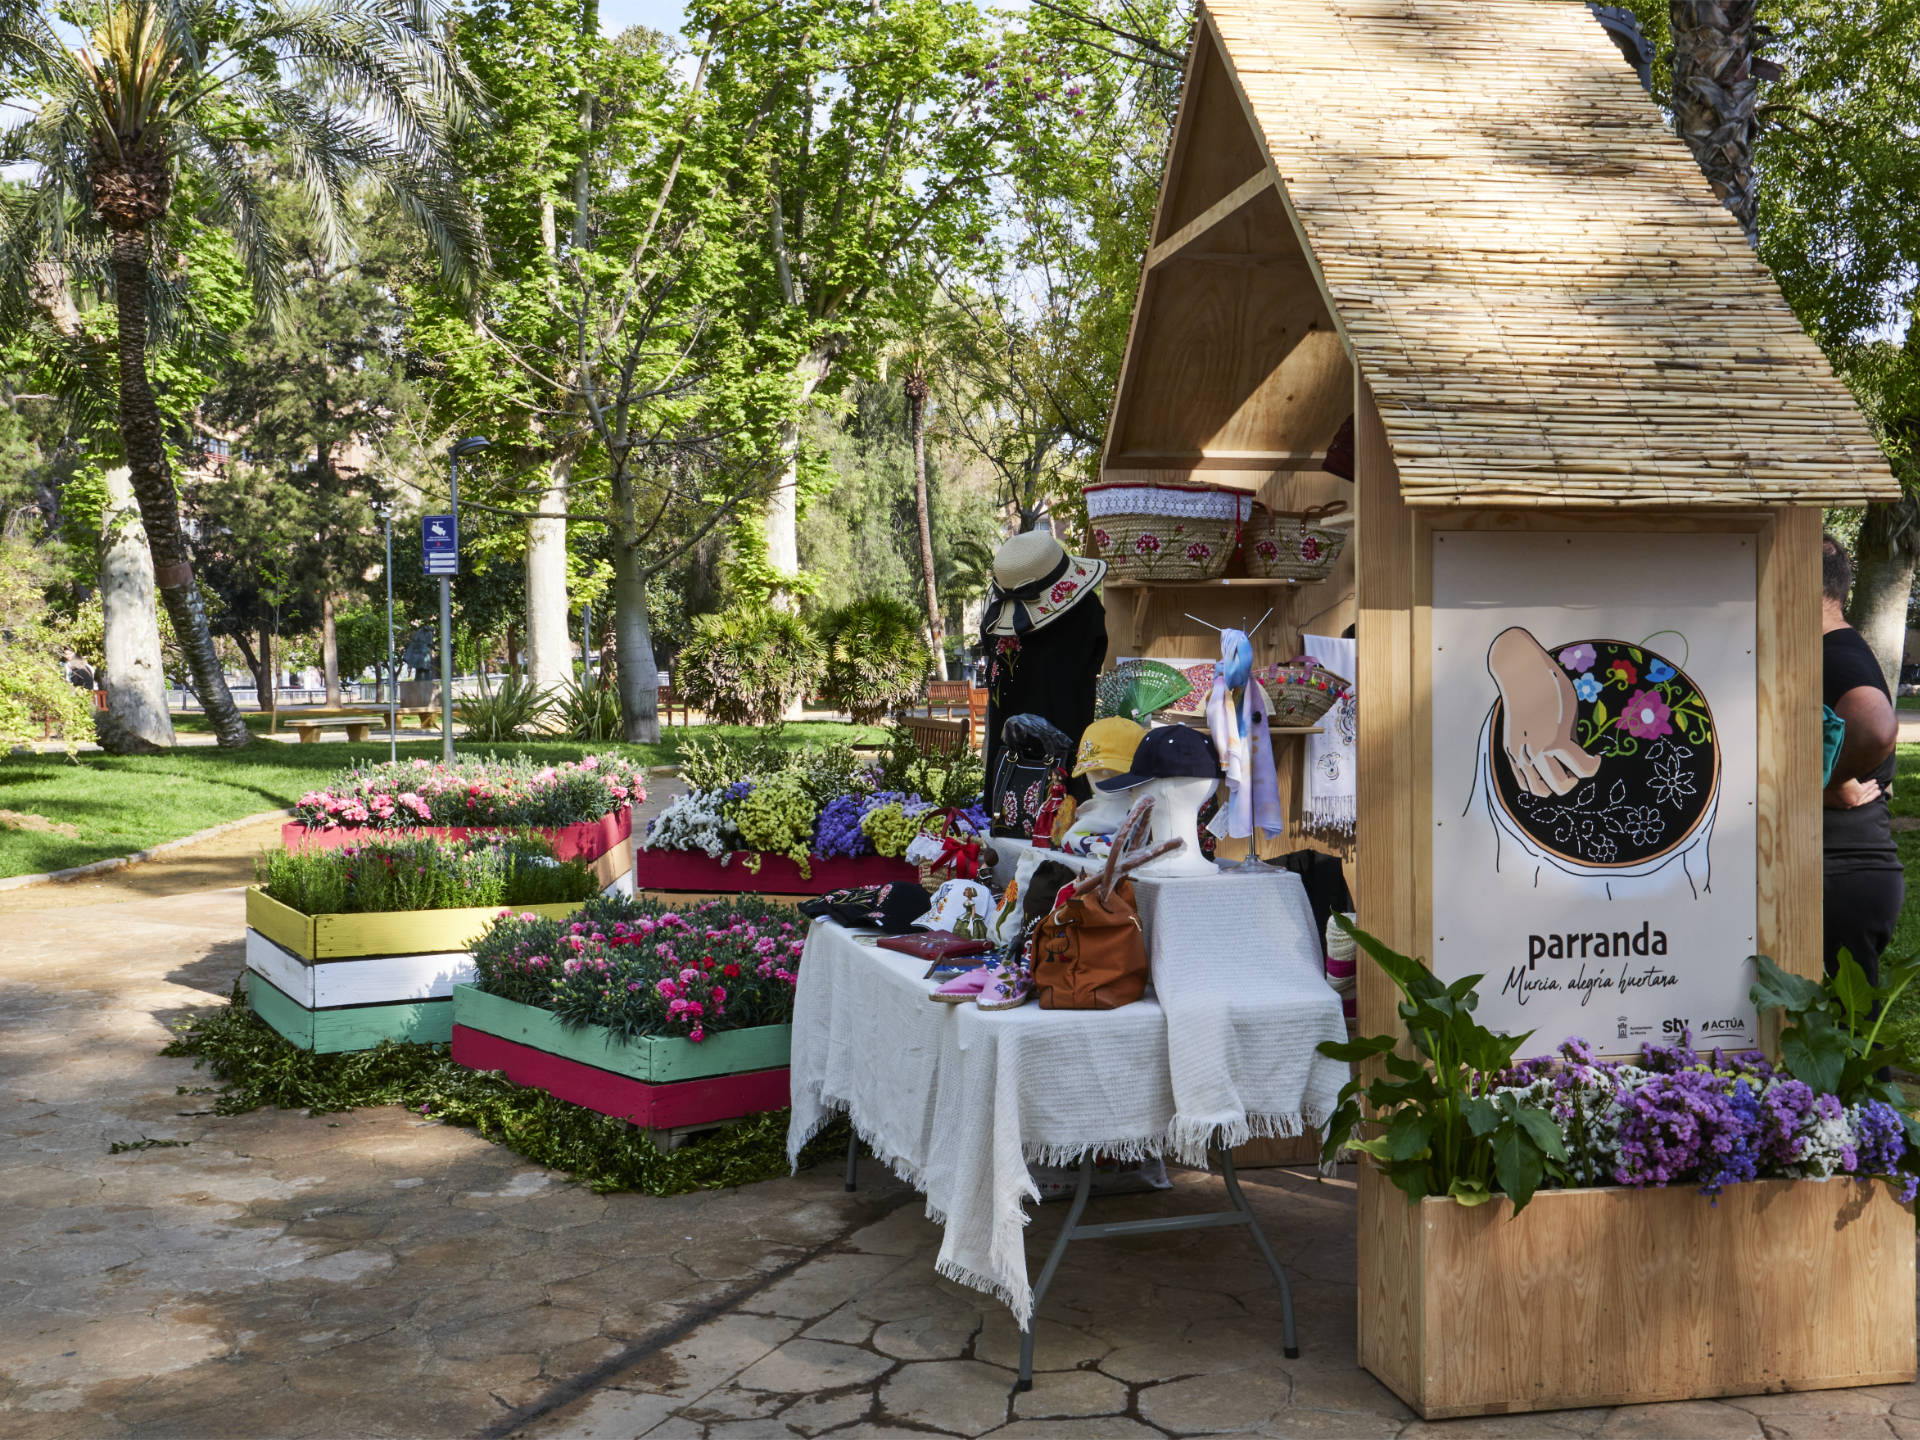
1033 750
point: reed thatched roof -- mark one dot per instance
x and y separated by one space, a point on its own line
1528 267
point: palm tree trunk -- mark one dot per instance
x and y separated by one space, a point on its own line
634 666
1883 564
146 455
135 678
1714 96
916 391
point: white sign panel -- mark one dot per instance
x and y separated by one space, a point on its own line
1594 770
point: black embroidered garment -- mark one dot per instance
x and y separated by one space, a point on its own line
1048 672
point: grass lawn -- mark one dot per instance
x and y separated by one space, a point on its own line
115 805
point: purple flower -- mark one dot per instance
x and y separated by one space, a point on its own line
1578 657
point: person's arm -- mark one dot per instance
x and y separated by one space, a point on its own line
1872 729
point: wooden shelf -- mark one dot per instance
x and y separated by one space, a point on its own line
1231 581
1200 722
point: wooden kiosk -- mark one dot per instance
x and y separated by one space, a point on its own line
1592 445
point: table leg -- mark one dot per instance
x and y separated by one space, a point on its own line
1080 1191
1291 1343
853 1159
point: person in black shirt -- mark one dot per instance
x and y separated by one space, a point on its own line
1865 886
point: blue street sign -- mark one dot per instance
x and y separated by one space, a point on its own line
440 545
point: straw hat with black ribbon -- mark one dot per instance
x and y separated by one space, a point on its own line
1035 582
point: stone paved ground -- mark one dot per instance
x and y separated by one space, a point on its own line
373 1275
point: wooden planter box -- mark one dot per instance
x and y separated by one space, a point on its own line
1622 1297
659 1083
331 983
689 874
607 843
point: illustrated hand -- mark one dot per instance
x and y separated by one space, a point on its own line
1848 794
1538 710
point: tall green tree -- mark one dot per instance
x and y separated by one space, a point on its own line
336 90
864 133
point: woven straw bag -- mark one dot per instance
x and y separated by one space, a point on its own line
1165 532
1284 545
1301 691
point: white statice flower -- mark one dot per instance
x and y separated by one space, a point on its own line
694 821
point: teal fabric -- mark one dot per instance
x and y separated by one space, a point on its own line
1836 731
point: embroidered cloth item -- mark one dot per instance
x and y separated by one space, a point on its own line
957 1101
1331 759
1238 971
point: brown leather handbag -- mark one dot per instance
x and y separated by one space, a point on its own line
1090 953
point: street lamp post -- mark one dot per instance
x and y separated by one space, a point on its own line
467 446
471 444
393 671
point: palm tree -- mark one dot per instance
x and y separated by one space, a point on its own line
1715 91
329 91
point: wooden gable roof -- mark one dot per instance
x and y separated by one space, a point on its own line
1474 202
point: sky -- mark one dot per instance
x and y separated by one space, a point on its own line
617 15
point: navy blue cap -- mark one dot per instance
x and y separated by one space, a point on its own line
1172 752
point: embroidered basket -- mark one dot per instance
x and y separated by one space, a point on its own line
1165 532
1301 691
1282 545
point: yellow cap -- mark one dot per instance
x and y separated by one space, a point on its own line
1108 745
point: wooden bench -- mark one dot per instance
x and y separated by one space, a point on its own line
938 737
667 702
358 729
947 695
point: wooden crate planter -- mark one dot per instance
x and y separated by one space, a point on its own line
692 875
659 1083
1622 1297
606 843
331 983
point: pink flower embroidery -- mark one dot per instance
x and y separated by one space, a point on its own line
1199 551
1101 539
1309 548
1147 544
1266 549
1646 716
1063 590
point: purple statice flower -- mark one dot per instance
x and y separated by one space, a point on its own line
1882 1142
738 790
838 832
975 815
1680 1127
1784 1108
1670 1059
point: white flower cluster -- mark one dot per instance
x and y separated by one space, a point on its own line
1822 1139
694 821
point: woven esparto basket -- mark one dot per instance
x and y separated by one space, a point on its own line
1283 545
1165 532
1301 691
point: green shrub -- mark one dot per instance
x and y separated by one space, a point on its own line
876 659
588 708
746 666
423 874
512 712
946 780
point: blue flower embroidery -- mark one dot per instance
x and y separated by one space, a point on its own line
1658 671
1586 687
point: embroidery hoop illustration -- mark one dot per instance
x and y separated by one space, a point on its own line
1634 784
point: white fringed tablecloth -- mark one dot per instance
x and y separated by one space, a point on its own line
957 1100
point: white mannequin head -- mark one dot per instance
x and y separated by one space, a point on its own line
1176 816
1103 812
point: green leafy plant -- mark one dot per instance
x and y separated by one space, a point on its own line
260 1068
1832 1038
875 658
956 779
512 712
746 666
588 708
1441 1126
423 874
713 762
